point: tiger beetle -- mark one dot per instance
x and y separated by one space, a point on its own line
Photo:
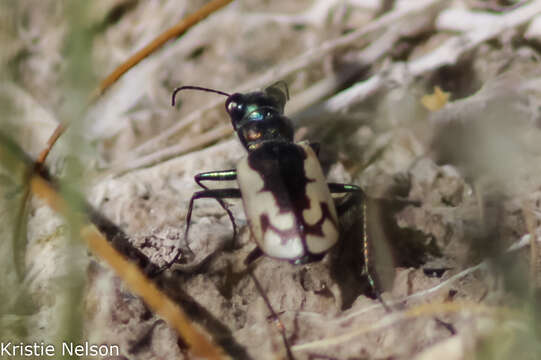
288 203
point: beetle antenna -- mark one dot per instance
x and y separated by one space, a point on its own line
195 88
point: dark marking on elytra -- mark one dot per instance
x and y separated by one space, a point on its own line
285 235
315 229
281 167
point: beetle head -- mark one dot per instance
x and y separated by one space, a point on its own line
258 117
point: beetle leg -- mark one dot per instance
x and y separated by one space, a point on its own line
217 194
222 175
274 315
249 261
357 195
336 188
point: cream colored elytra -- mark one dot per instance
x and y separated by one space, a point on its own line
289 235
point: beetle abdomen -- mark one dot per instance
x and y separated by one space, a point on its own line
287 201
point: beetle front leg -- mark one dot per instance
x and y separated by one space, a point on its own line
221 175
217 194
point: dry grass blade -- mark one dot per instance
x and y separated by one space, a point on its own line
159 41
164 37
14 157
50 143
134 278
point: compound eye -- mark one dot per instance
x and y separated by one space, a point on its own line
234 104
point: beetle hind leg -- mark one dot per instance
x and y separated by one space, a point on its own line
249 262
359 196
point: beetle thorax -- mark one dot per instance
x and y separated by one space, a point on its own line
255 133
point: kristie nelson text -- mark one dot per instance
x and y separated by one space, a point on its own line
64 349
